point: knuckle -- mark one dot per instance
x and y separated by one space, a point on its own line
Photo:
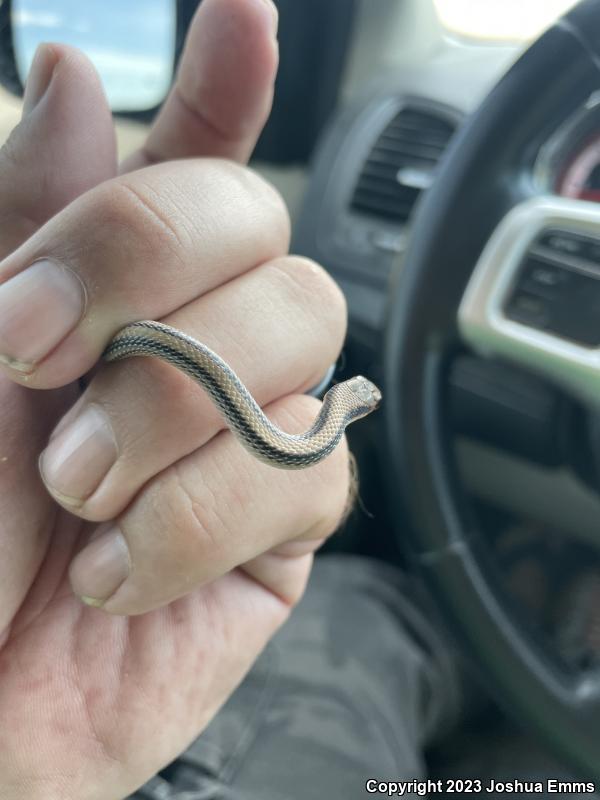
195 518
151 208
137 216
312 286
298 412
240 179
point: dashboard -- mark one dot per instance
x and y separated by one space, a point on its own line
377 158
580 177
519 439
570 162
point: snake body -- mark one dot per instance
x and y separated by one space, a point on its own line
343 404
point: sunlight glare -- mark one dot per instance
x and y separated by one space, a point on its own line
514 20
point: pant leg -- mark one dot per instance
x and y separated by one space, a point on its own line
351 688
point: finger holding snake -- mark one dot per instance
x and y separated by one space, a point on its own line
279 326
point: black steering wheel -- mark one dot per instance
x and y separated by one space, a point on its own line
476 242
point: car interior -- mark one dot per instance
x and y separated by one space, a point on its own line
441 159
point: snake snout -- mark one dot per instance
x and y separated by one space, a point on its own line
366 391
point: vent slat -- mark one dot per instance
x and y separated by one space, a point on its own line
413 140
406 150
423 122
392 165
414 116
381 169
382 208
388 188
393 144
438 136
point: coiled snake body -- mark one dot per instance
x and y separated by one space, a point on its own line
343 404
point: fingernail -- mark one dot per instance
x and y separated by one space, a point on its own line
38 308
79 456
40 75
274 14
97 572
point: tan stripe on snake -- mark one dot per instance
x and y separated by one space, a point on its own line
343 404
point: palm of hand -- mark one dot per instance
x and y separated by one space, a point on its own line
80 690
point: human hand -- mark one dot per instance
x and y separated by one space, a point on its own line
209 547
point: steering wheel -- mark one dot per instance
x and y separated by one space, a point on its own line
474 273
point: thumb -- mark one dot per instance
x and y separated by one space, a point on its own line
63 146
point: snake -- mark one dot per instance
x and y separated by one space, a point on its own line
343 404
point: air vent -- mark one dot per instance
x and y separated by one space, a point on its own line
401 164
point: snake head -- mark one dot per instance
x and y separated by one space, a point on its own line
366 392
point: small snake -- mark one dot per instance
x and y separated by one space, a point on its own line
343 404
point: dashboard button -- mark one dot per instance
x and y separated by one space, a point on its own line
544 277
528 308
564 301
562 242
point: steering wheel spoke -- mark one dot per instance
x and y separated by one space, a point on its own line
534 296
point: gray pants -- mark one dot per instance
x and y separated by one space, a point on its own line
351 689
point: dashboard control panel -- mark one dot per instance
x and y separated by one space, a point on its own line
557 287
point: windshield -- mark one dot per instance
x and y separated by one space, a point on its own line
494 20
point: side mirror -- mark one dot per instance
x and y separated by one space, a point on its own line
132 43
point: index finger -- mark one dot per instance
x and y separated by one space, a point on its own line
138 246
224 87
